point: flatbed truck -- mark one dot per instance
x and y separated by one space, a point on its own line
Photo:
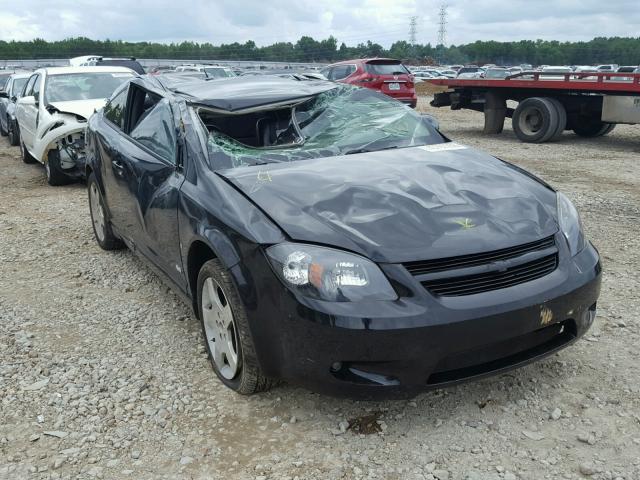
588 103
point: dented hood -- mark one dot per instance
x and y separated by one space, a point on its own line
84 108
407 204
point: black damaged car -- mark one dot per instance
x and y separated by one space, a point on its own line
330 236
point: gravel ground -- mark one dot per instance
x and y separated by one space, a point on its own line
104 375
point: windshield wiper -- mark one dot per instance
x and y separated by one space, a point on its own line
367 150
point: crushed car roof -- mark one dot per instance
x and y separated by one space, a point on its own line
241 93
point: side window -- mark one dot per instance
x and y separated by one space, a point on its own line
340 72
351 69
28 89
114 109
151 124
36 88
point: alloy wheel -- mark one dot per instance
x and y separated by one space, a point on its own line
97 211
220 329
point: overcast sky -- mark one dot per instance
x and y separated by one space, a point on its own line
351 21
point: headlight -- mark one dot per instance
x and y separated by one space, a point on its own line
328 274
570 225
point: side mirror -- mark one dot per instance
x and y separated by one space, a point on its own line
30 100
14 99
431 120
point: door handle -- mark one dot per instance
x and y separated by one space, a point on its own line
118 167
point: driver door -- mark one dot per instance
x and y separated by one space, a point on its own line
27 111
148 175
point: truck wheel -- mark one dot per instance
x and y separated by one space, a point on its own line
593 128
99 218
4 131
535 120
55 174
606 130
562 118
226 331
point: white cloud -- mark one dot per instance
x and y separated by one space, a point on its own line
351 21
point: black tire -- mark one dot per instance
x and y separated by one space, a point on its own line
26 156
593 127
55 174
562 119
249 378
607 129
535 120
106 238
4 132
14 136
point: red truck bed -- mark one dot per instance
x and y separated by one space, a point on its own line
627 83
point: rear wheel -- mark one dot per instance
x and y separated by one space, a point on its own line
99 219
562 118
226 332
55 174
592 128
14 136
24 153
536 120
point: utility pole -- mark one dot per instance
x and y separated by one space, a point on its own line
442 33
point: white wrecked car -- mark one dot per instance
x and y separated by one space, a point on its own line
52 115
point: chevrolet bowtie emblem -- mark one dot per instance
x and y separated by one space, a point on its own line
465 223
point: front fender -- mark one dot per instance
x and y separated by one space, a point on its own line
57 126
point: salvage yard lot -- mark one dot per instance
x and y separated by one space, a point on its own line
104 373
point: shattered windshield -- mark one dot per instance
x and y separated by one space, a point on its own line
83 86
341 121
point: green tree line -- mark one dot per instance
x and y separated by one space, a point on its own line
618 50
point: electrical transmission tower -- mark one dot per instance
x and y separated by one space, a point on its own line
413 29
442 34
442 31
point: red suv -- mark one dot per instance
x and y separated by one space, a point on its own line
381 74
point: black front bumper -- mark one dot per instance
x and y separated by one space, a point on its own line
420 341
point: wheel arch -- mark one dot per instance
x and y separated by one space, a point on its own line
208 244
199 253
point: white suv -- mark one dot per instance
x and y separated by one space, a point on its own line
52 115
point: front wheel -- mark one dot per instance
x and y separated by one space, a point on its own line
99 219
55 174
226 332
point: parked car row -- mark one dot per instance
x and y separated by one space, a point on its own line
9 94
491 71
323 234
